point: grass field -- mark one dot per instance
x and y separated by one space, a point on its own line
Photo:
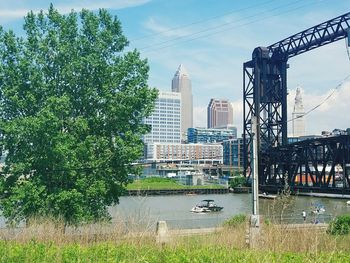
189 250
46 243
156 183
128 253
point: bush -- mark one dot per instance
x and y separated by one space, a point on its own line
238 181
236 220
340 225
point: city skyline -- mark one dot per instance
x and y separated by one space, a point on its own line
214 40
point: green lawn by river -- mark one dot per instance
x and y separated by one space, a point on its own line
109 252
156 183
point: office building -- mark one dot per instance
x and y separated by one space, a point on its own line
181 83
220 113
203 135
165 121
233 153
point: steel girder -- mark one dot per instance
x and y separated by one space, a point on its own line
265 85
314 37
322 163
264 96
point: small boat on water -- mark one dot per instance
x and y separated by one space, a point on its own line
206 206
348 203
319 209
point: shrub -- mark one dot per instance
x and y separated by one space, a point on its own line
236 220
238 181
340 225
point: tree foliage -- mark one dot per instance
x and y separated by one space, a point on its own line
339 225
238 181
71 109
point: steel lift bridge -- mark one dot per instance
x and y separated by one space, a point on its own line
319 164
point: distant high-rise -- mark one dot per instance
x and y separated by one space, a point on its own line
298 123
165 119
220 113
181 83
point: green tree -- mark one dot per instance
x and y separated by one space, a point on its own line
238 181
71 106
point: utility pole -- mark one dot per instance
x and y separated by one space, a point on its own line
255 174
254 219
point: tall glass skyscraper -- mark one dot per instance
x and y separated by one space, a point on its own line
220 113
181 83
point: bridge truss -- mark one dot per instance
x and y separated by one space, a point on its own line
265 95
322 163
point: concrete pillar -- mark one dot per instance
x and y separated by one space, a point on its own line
162 233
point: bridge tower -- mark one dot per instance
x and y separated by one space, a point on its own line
265 89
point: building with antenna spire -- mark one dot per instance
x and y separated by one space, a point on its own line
298 118
181 83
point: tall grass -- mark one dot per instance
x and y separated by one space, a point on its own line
109 252
44 241
53 231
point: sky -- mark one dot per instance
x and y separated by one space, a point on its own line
213 38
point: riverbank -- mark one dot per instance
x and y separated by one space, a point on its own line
275 244
167 186
186 191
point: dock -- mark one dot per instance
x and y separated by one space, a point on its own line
267 196
338 196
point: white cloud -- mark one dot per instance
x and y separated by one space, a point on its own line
159 28
238 116
8 11
199 116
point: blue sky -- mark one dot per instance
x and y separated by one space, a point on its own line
213 38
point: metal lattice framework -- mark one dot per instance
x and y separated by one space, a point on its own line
316 163
265 87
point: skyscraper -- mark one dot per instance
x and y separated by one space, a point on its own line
220 113
165 121
181 83
298 123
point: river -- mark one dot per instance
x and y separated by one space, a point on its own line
175 209
145 211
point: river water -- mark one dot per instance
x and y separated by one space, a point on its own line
145 211
175 209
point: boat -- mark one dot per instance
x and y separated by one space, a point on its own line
319 209
348 202
206 206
